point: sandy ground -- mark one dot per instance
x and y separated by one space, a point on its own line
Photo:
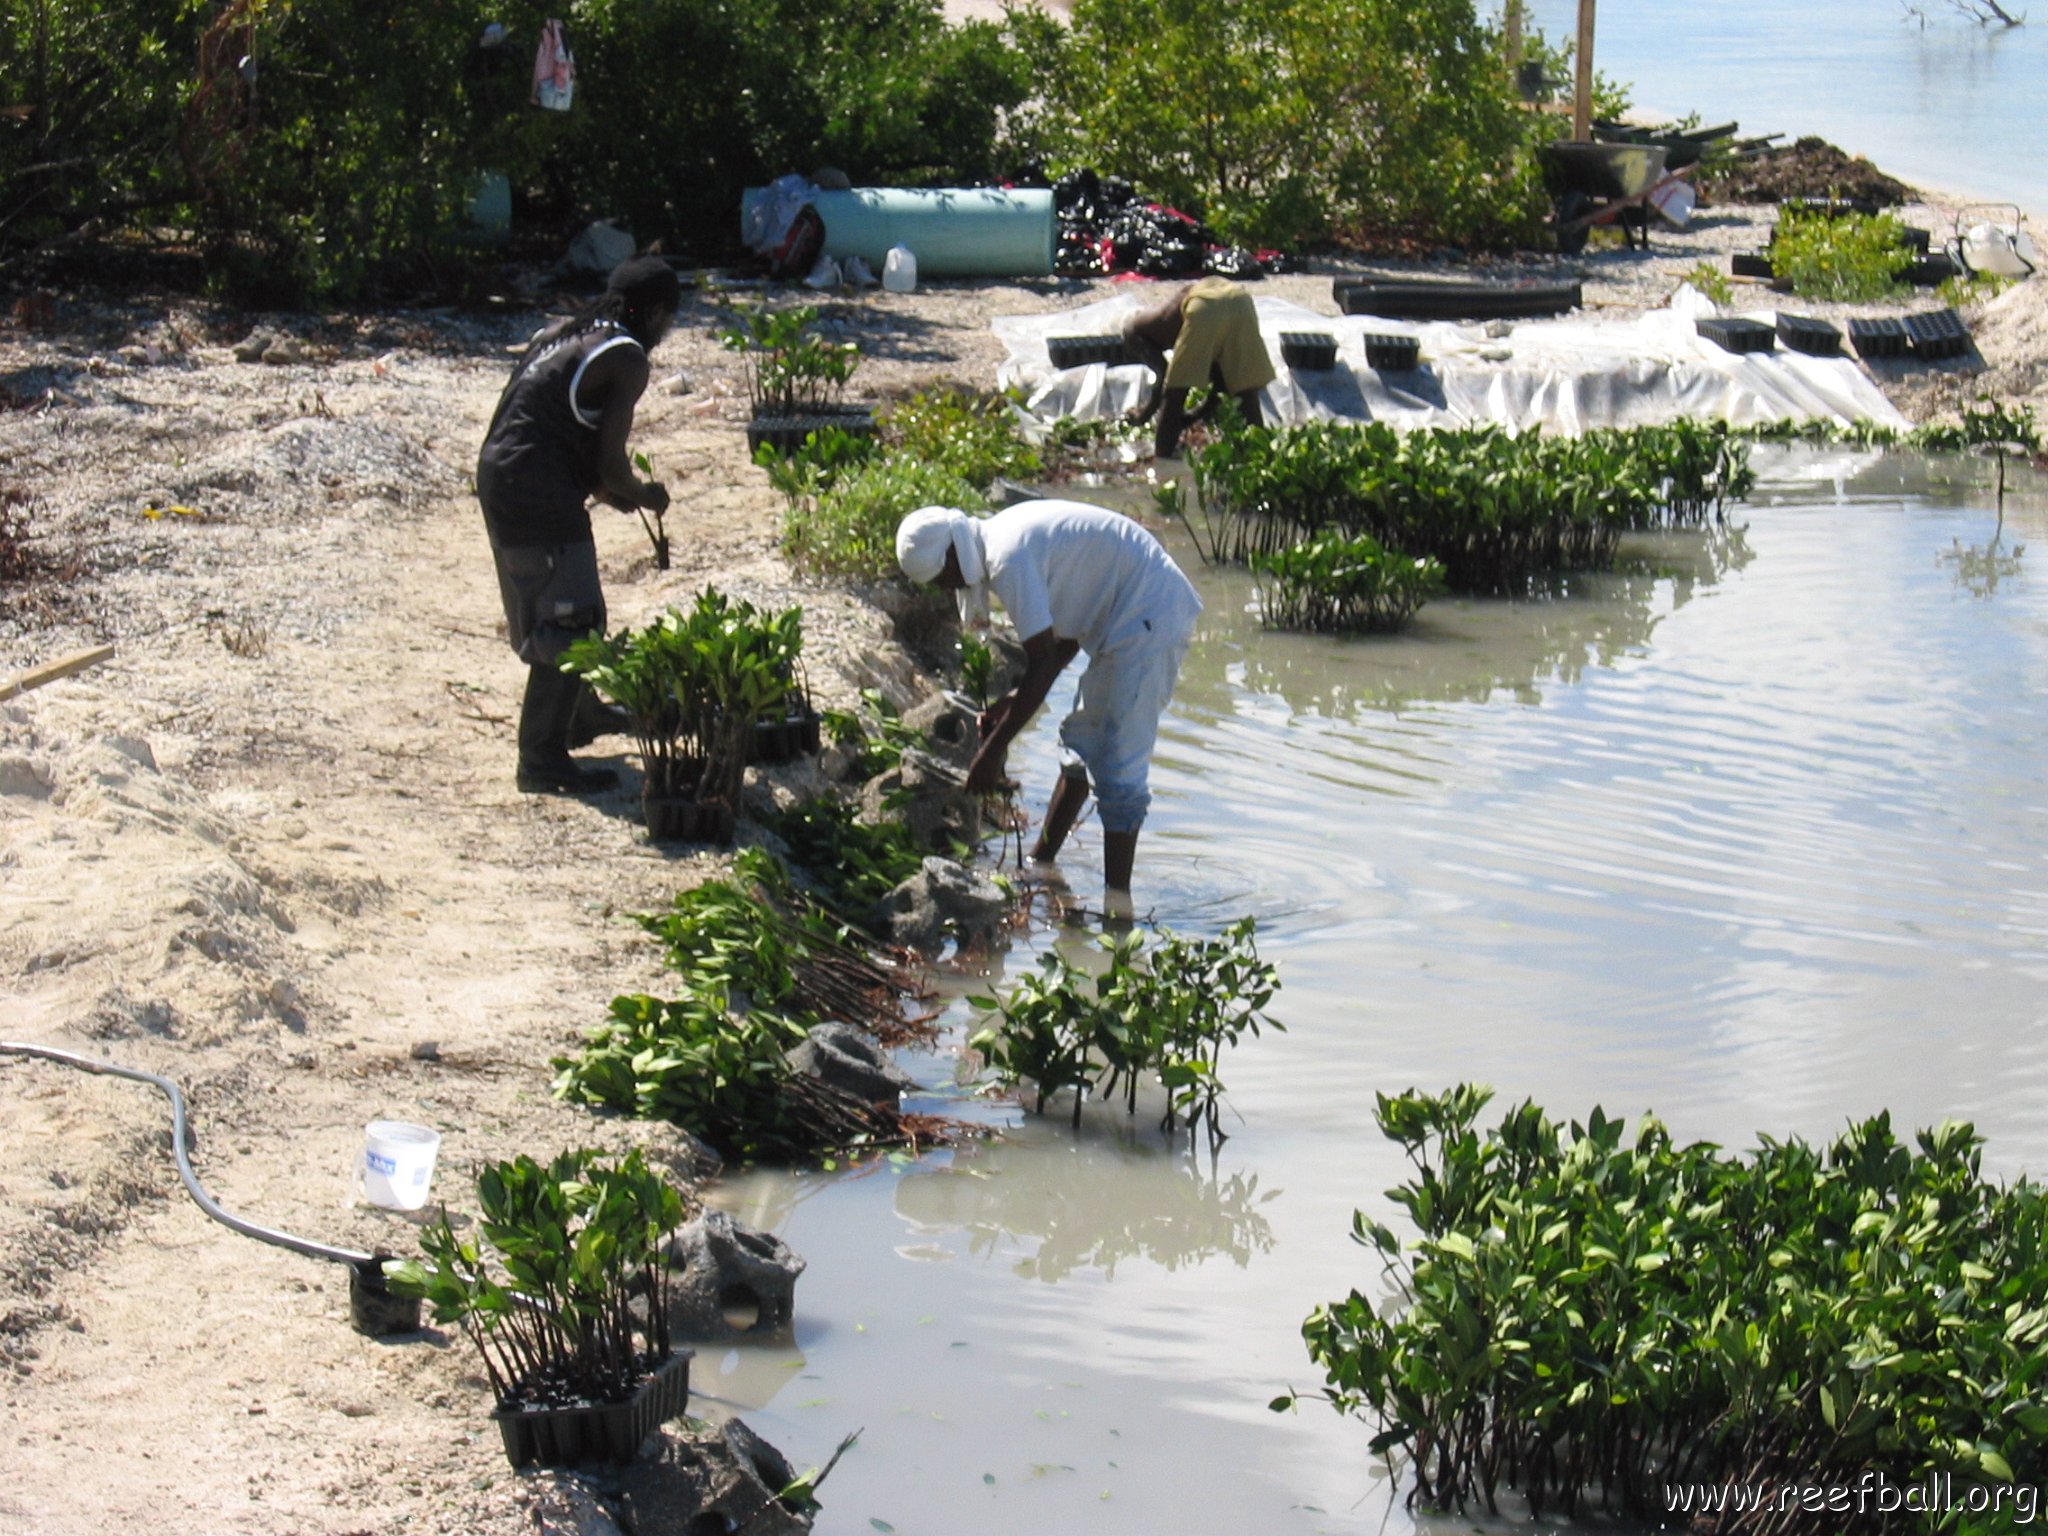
272 849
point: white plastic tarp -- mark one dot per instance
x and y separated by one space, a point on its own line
1562 376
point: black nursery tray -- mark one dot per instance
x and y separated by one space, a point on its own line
1803 333
613 1432
1310 351
786 434
1932 271
1937 335
1751 264
1738 335
1878 336
1392 354
787 739
1080 351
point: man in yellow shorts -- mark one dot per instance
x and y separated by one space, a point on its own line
1212 330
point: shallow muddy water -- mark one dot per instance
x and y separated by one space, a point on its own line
1750 834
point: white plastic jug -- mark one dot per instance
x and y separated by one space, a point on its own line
397 1163
899 270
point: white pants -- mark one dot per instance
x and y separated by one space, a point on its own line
1115 723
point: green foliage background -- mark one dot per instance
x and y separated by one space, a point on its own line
344 165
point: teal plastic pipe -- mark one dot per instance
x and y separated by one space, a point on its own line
953 232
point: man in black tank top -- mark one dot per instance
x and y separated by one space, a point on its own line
559 438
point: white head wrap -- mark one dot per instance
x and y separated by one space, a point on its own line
923 538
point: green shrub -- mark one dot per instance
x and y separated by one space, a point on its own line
848 527
1585 1314
1288 120
1343 585
1849 258
968 435
791 369
1166 1008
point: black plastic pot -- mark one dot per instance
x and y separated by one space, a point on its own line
672 818
1308 351
1878 336
613 1432
786 434
1937 335
373 1310
1914 239
1392 354
1803 333
1734 334
1751 264
1080 351
1440 299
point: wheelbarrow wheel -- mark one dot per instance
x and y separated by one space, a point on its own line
1571 234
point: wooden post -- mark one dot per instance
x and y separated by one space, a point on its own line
1582 56
1512 25
50 671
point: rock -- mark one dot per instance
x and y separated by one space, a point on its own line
23 775
943 900
426 1050
250 349
710 1481
950 724
838 764
284 351
720 1262
601 246
670 1148
567 1508
928 795
844 1057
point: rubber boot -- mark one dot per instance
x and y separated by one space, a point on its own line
545 766
594 718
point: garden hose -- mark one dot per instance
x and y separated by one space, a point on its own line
372 1308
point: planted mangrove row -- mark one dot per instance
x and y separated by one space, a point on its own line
760 963
1493 510
1338 585
1593 1316
1163 1008
1990 423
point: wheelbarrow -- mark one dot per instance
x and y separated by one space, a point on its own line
1604 184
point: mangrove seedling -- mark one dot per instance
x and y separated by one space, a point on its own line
547 1289
657 531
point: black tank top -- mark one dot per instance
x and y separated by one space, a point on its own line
539 461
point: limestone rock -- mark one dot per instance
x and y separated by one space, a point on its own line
710 1481
949 722
844 1057
929 796
719 1262
943 900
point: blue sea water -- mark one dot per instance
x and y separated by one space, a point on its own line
1949 106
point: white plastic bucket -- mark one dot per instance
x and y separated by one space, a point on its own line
397 1163
899 269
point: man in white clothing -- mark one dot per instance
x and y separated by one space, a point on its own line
1072 578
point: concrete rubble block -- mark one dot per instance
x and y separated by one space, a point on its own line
710 1480
943 900
722 1265
845 1058
948 721
562 1504
928 795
